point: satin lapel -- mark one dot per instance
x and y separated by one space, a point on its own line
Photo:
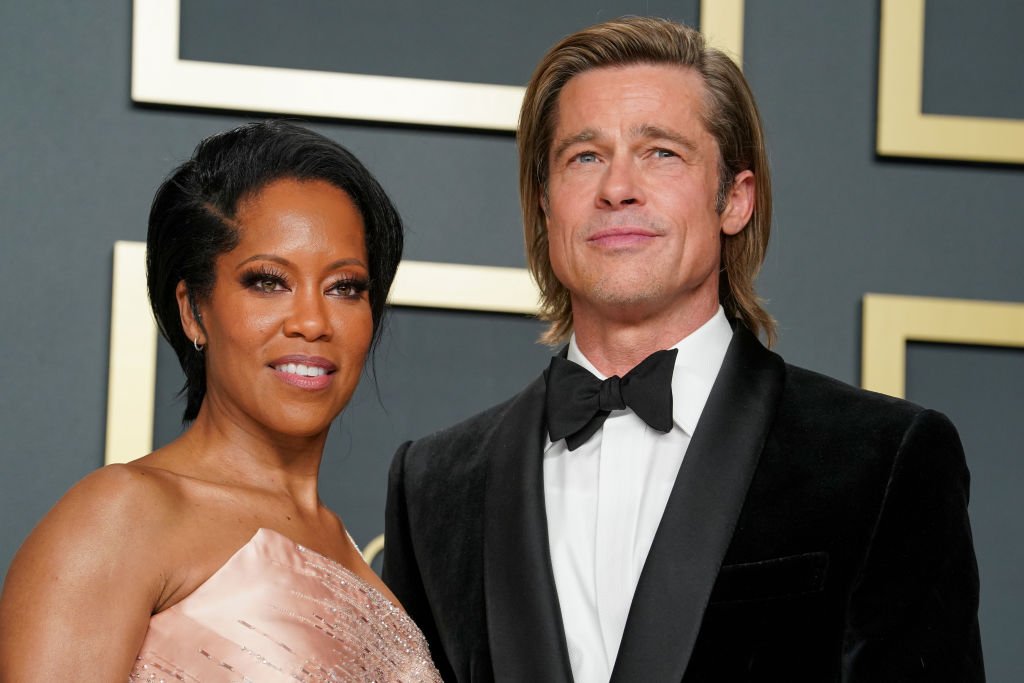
524 621
697 526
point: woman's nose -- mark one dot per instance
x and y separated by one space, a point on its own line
308 317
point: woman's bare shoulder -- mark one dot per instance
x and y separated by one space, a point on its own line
101 520
90 566
118 499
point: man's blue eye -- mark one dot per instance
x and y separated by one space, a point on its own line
587 157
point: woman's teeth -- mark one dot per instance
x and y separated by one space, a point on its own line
299 369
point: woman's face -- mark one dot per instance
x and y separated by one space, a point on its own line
288 324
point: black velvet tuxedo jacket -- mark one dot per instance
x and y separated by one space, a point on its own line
815 532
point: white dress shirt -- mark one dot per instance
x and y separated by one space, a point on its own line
604 502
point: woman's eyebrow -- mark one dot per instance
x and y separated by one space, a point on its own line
285 262
265 257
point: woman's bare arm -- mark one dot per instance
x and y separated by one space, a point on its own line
78 597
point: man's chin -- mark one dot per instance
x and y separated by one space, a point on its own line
620 303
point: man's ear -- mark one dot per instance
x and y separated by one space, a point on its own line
189 314
739 206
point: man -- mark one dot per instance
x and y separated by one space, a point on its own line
706 513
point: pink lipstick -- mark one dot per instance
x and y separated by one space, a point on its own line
304 372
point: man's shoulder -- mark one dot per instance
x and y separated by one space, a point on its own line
817 396
469 435
471 429
818 385
811 398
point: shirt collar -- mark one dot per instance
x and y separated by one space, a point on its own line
700 357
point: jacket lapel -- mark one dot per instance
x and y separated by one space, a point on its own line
524 622
700 516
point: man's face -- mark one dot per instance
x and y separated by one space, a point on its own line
633 174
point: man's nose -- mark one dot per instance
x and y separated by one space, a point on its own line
620 185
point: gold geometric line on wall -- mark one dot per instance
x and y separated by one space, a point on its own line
133 336
722 22
160 76
890 321
373 549
903 128
131 379
457 286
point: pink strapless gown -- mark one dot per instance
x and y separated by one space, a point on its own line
277 611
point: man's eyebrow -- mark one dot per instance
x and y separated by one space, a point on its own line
651 132
647 131
585 135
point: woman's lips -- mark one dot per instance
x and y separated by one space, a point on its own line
305 372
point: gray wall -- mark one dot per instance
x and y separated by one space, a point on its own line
79 163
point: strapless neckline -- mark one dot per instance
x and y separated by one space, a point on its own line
280 549
279 611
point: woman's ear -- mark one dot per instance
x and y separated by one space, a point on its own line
190 315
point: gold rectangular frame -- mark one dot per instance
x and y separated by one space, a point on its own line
160 76
721 21
903 129
890 321
131 382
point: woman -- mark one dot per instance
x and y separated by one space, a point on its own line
269 258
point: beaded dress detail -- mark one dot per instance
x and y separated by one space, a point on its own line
277 611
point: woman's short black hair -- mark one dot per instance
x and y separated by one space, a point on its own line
190 221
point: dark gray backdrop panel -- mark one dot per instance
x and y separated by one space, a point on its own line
399 37
973 62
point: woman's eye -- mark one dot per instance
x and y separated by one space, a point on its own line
349 289
263 282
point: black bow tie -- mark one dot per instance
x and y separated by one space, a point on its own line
577 403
